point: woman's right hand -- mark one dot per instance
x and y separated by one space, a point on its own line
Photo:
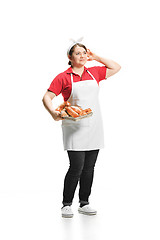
56 115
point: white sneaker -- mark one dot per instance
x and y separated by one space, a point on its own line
67 212
87 210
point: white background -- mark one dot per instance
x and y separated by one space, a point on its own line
34 40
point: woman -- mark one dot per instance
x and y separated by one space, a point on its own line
82 139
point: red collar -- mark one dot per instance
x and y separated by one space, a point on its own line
69 70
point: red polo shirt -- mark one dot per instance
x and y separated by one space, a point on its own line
62 82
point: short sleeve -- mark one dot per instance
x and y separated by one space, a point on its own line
99 72
56 85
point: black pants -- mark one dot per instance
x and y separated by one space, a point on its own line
81 170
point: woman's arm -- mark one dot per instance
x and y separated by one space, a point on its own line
47 101
112 67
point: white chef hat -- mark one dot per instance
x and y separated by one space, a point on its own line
74 42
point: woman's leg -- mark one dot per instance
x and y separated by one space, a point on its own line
86 178
76 159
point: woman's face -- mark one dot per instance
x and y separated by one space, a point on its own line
79 57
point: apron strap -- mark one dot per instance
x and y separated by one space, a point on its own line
71 78
91 75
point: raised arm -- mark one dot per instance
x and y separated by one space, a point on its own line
112 67
47 101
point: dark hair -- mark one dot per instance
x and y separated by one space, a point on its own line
72 49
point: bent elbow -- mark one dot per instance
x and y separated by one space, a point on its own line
118 68
43 99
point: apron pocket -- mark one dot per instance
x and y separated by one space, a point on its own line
85 122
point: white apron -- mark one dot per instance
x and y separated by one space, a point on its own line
85 134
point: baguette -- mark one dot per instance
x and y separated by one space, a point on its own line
77 109
62 106
88 110
64 114
71 112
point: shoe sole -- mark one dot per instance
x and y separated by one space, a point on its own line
89 214
67 216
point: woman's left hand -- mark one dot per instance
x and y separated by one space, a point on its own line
91 56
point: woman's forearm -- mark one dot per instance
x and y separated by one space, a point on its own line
47 101
48 104
110 64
